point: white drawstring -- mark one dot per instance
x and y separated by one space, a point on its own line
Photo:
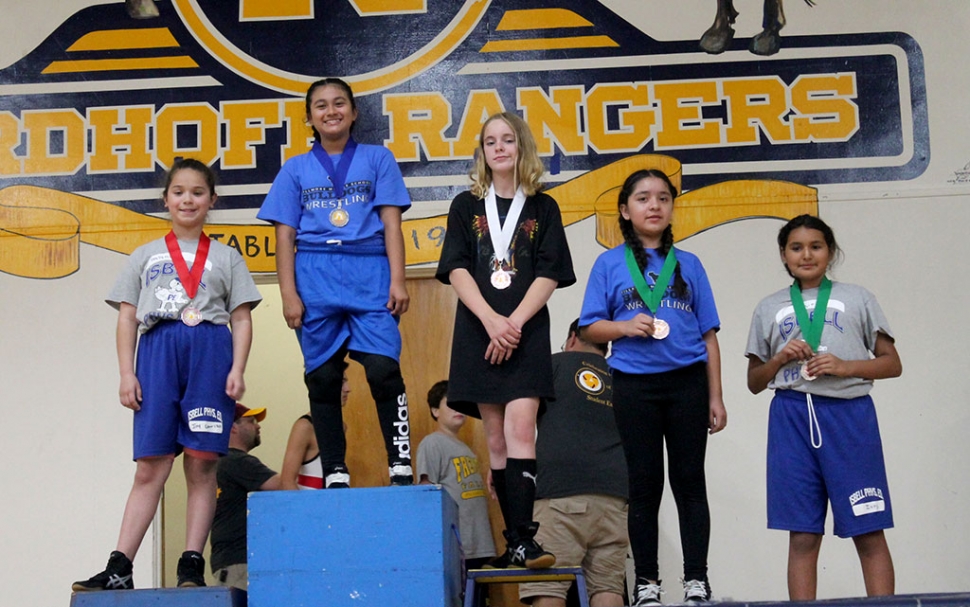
813 423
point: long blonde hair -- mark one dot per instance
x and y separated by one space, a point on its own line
528 165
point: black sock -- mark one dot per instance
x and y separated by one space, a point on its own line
520 479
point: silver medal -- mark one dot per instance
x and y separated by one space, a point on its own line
660 329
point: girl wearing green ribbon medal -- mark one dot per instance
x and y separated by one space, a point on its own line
820 344
654 303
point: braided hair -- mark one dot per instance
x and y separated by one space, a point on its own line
666 239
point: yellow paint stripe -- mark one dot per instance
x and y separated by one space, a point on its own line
546 44
541 18
111 65
41 229
296 84
112 40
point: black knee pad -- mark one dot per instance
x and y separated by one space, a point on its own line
383 376
324 382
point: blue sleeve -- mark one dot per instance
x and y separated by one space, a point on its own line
282 204
704 308
596 305
389 188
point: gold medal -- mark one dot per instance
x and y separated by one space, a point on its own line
501 279
339 217
191 316
660 329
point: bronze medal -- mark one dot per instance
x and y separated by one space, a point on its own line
191 316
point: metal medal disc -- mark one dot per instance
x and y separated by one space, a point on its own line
191 316
805 374
660 329
501 279
339 217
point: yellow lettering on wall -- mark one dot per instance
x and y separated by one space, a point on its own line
754 102
246 123
823 107
299 136
481 105
634 117
120 139
200 119
42 127
554 118
9 139
682 123
418 119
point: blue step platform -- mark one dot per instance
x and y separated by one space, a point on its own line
162 597
386 546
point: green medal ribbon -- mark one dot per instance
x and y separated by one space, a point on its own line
811 330
651 296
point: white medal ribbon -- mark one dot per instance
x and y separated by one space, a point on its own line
502 233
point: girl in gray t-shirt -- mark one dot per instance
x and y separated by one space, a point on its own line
820 344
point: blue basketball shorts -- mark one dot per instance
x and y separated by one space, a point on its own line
822 450
182 371
345 301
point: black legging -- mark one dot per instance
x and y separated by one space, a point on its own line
651 409
387 388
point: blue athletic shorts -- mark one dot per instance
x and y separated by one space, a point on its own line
182 371
345 300
823 450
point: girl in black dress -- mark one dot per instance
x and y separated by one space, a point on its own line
505 252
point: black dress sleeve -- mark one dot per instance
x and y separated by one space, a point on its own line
553 259
458 250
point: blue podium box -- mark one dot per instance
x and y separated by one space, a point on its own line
386 546
162 597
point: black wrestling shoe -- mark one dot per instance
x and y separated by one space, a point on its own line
116 576
191 570
527 552
504 560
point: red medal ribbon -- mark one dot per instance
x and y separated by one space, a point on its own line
190 280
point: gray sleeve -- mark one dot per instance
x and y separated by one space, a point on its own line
875 321
759 341
127 287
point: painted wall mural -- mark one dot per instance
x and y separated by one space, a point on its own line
91 119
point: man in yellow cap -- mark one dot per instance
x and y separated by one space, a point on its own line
237 475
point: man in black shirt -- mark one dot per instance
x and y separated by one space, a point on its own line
237 475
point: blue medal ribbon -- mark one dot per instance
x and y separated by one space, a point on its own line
338 174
